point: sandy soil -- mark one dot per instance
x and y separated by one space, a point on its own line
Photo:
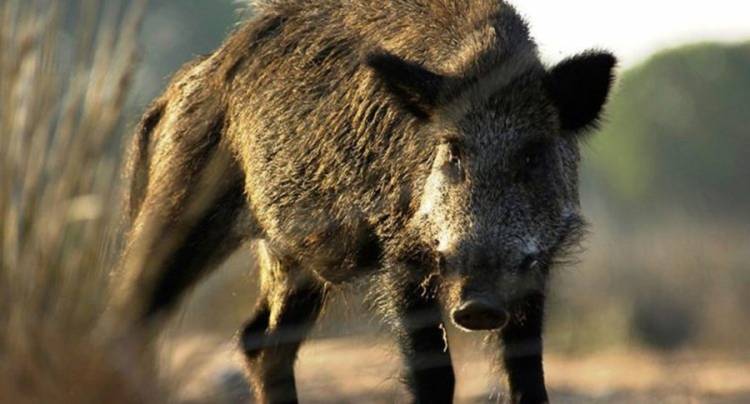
367 371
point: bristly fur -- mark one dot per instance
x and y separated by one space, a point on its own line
418 142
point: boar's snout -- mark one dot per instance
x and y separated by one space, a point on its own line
478 315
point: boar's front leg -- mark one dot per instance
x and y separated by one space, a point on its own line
417 321
522 353
288 307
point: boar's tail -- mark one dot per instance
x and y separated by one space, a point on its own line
138 161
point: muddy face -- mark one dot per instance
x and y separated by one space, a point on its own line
500 205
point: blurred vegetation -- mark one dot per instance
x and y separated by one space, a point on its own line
177 31
172 33
677 137
664 185
62 96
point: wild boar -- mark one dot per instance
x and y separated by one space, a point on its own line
420 144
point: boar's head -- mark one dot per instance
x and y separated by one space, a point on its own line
500 204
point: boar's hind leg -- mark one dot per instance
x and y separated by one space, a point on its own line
184 215
287 309
522 353
418 325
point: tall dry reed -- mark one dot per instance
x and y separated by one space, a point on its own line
62 96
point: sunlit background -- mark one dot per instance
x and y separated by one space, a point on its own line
634 29
657 308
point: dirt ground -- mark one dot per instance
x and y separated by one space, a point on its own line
367 371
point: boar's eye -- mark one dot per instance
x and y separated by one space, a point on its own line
454 156
533 157
532 160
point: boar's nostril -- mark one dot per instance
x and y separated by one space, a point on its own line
477 315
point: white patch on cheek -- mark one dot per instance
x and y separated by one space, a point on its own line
445 241
430 198
431 195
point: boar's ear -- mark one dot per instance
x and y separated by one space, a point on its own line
414 87
579 87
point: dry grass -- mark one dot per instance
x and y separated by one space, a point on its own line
61 105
